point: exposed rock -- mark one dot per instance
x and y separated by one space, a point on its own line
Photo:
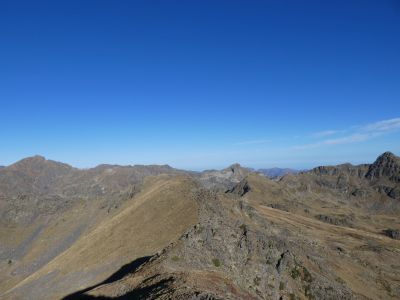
349 169
393 233
225 179
394 193
241 188
386 165
359 192
341 220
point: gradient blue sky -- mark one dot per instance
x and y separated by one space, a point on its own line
200 84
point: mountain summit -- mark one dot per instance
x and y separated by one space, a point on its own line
386 165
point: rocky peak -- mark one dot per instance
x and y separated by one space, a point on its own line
237 169
234 168
386 165
388 154
237 172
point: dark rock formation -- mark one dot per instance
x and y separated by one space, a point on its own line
241 188
386 165
393 233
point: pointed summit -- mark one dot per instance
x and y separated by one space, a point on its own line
387 155
386 165
234 168
237 170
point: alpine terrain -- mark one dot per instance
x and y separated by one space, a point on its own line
155 232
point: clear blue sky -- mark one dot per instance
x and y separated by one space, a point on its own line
200 84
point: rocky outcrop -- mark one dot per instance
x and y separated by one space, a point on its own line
241 188
349 169
394 193
224 179
393 233
386 165
341 220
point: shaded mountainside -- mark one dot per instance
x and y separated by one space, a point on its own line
328 233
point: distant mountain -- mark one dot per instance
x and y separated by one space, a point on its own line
277 172
224 179
35 186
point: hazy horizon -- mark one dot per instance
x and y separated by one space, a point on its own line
205 169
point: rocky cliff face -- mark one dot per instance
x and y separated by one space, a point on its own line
225 179
359 171
387 166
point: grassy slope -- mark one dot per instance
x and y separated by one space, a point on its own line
155 217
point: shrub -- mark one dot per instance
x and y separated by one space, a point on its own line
306 275
295 273
216 262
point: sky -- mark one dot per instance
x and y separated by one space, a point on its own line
200 84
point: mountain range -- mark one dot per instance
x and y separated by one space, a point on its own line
277 172
155 232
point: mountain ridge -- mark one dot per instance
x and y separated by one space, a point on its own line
258 238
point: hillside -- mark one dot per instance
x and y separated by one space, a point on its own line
161 212
153 232
46 206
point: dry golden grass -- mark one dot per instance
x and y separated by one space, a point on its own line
369 262
146 224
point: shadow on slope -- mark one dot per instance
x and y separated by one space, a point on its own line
131 267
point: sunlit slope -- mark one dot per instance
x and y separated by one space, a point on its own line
149 222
